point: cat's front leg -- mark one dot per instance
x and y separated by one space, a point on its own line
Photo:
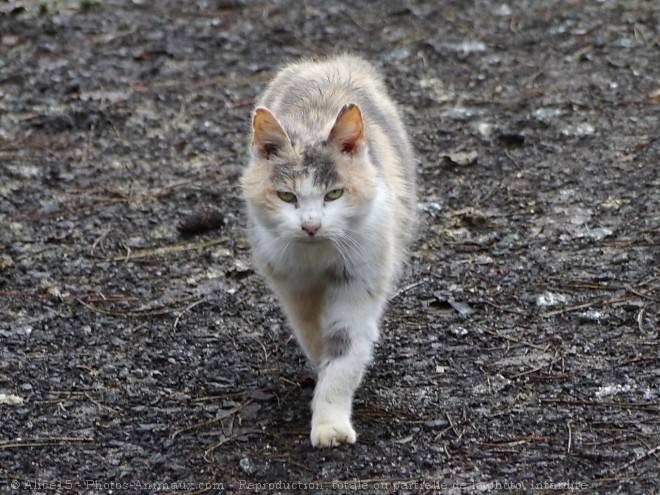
348 338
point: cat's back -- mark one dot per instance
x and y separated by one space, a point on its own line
307 95
321 85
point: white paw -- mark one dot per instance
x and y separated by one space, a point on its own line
332 434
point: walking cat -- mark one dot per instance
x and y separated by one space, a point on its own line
330 193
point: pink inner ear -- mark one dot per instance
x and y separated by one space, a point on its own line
269 136
351 147
348 131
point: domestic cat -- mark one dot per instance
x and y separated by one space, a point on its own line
330 194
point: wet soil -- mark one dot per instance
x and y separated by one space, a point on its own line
140 353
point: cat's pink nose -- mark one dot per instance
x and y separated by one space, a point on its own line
311 227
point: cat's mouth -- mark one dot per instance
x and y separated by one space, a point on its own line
312 239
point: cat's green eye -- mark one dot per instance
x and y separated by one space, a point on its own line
286 196
334 194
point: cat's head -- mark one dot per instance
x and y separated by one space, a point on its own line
310 191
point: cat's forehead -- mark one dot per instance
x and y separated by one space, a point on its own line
320 165
314 165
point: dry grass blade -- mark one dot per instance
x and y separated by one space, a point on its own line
42 442
164 251
645 455
233 436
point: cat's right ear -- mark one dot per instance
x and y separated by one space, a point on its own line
269 137
348 132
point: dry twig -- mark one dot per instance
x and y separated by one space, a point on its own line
162 251
646 454
219 444
42 442
209 422
187 308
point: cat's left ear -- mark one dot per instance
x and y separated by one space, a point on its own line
269 137
348 132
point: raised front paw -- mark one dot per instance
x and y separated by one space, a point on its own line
332 434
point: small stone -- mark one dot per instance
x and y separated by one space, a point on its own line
548 113
502 10
246 465
508 241
583 129
242 244
485 129
431 208
250 411
240 269
495 384
5 262
435 89
436 423
550 299
462 309
260 396
465 47
462 158
459 331
614 204
11 400
612 389
592 316
597 234
22 331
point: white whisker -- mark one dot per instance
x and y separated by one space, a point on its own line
349 248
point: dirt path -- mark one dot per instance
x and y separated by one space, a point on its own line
520 354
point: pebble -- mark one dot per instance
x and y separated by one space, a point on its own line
550 299
11 399
580 130
246 465
465 47
597 234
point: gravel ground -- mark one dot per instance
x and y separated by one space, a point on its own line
139 352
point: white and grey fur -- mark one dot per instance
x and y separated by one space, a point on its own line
321 126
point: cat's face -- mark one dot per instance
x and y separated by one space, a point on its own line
315 193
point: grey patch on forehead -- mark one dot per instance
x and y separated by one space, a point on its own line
318 160
285 170
338 343
283 173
